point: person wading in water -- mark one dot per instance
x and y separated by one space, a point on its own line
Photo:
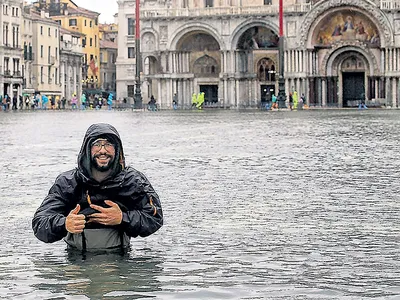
102 203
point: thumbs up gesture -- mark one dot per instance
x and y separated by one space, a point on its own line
75 223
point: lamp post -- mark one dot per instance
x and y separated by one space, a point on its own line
138 93
281 82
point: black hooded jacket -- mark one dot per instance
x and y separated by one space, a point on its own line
130 189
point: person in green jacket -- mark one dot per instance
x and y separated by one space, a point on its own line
295 99
200 101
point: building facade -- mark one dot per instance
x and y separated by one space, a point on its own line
71 62
27 64
108 58
72 17
337 53
46 51
11 50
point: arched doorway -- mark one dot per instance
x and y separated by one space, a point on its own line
150 69
346 41
205 63
266 74
353 81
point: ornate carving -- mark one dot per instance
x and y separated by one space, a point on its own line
163 34
148 42
365 7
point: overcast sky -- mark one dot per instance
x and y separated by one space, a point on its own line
106 8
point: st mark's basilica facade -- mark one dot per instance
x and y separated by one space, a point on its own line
337 52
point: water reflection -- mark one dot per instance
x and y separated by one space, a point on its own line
98 275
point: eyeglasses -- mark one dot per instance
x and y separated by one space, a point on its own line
96 146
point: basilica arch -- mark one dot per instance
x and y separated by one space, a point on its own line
342 46
323 9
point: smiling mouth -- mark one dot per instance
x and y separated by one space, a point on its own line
103 158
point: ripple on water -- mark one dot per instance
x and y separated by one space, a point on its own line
291 205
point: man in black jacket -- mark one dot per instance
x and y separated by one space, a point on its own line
101 204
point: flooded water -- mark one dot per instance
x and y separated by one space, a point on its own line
257 205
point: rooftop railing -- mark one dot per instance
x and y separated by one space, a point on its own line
390 4
222 11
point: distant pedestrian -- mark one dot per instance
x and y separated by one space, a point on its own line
295 99
194 100
74 102
27 102
15 100
200 101
110 101
63 102
53 102
83 101
274 101
175 102
290 101
4 102
21 102
32 102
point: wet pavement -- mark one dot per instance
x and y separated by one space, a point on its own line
257 205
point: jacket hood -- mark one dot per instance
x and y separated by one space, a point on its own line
95 131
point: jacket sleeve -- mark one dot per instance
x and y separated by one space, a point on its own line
48 222
147 217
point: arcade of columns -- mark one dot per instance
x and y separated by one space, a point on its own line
305 68
71 74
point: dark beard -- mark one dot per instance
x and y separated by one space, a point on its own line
102 168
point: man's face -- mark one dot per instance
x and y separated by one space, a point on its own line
103 154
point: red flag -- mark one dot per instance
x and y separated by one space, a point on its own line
93 66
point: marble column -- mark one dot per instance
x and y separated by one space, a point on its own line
323 82
394 93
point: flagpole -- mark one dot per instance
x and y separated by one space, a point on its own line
281 82
138 93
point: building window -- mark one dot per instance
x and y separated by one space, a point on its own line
56 52
49 75
41 75
101 58
72 22
41 51
5 34
91 23
131 52
6 64
55 32
13 11
131 90
95 40
13 36
91 42
41 30
267 2
56 76
209 3
85 23
49 31
131 26
49 55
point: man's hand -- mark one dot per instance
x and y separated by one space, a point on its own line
106 216
75 223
